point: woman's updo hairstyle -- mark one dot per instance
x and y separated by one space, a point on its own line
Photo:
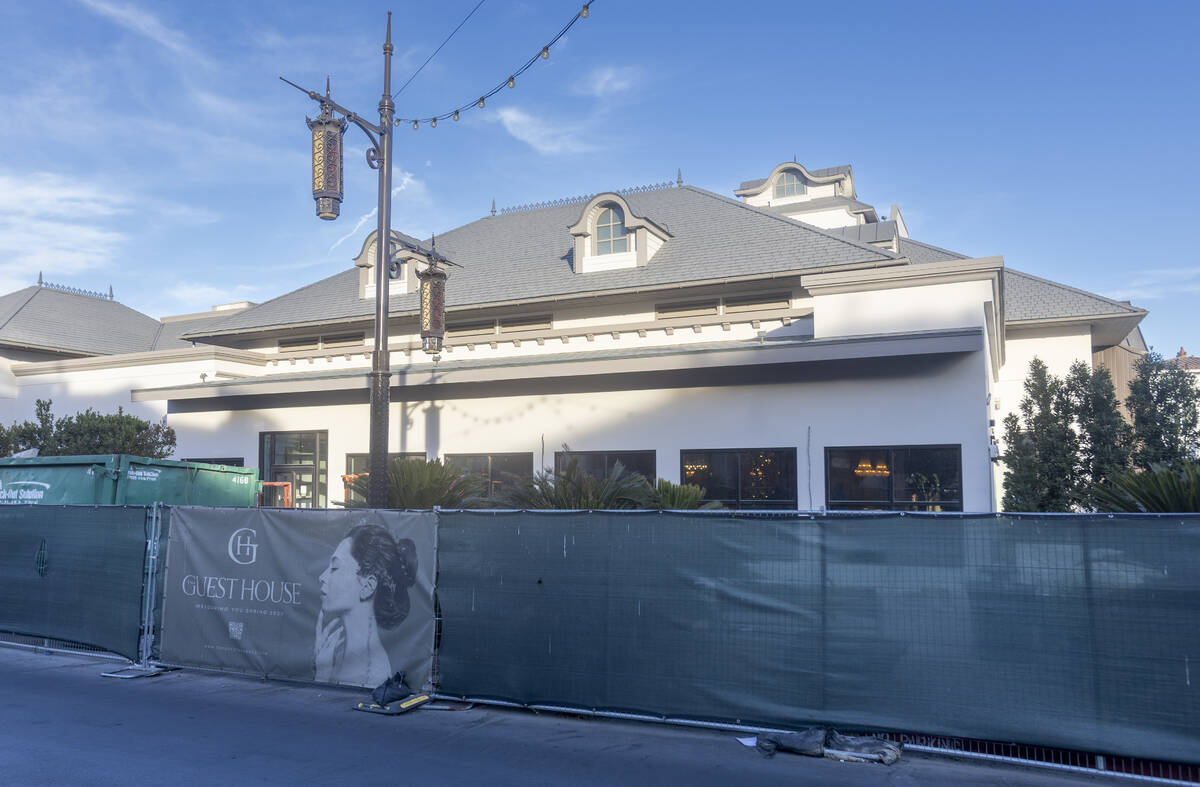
393 564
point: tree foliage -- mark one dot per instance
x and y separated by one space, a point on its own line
1164 403
414 483
88 432
1066 440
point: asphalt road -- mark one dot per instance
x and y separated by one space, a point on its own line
61 723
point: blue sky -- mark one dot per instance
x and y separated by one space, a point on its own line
152 147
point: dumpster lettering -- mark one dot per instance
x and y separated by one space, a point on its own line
15 492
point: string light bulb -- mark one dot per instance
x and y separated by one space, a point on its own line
433 123
480 104
512 82
584 13
416 125
456 115
545 53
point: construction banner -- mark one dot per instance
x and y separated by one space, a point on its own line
331 596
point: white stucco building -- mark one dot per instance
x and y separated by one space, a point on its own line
786 348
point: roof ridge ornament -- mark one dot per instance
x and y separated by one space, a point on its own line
558 203
74 290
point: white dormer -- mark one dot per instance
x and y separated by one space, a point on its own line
791 183
608 236
405 282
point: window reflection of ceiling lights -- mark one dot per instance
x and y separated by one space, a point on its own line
865 469
694 468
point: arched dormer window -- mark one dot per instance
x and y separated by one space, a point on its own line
788 184
611 235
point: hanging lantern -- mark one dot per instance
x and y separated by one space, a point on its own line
433 307
327 134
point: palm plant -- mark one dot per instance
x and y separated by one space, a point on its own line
413 483
571 488
1159 490
678 497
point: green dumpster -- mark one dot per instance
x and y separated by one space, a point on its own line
120 479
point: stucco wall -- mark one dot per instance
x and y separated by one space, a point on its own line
932 307
915 401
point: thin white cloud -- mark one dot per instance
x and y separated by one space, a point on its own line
545 138
608 81
187 297
1158 283
145 24
402 182
56 225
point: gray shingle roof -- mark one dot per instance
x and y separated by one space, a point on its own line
872 232
1028 297
168 337
528 255
48 318
923 252
843 169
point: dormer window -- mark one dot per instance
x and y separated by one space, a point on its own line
611 235
788 184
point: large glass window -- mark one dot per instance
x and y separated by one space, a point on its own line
600 463
894 478
788 184
299 458
611 236
743 478
361 463
499 471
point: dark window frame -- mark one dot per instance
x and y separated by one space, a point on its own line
490 479
741 502
562 457
891 504
267 469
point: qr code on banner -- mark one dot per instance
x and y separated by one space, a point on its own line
236 627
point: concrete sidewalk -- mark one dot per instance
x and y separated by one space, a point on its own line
63 723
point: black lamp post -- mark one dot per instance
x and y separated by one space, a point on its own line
327 191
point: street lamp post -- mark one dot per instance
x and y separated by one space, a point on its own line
327 157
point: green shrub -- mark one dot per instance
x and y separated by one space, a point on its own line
413 483
1159 490
573 489
679 497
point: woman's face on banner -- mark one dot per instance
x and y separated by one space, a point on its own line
340 583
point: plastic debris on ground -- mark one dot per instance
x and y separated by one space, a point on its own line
819 742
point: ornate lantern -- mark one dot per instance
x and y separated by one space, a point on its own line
433 307
327 134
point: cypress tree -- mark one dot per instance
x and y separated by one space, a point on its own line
1164 402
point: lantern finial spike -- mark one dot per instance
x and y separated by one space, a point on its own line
327 86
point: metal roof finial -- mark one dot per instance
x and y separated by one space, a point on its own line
39 278
493 206
679 177
110 292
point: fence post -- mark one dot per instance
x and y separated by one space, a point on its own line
150 581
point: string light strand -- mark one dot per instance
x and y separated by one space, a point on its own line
542 53
439 49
